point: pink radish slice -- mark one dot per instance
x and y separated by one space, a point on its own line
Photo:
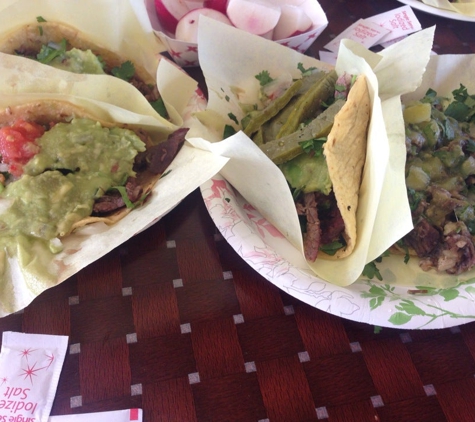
219 5
293 21
187 28
169 12
254 16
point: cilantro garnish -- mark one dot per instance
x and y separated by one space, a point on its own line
128 203
40 19
50 51
228 131
159 107
303 70
331 248
264 78
125 71
165 174
233 118
462 108
314 146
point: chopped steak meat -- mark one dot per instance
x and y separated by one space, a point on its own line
424 238
324 223
155 160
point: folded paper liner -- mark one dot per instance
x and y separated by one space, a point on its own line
230 59
114 100
464 7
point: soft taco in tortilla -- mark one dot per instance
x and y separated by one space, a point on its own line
62 168
64 47
316 132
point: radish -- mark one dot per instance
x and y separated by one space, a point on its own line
255 16
187 28
194 4
219 5
293 21
169 12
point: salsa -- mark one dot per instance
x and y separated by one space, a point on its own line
440 180
18 144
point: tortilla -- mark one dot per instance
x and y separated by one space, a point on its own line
345 153
28 40
51 112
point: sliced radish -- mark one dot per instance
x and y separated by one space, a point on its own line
255 16
169 12
219 5
293 21
194 4
187 28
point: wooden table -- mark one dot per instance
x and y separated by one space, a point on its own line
174 322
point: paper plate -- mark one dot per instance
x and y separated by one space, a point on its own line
417 4
396 304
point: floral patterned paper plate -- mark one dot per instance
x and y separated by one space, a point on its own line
382 304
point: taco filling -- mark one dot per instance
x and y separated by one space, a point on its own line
62 169
440 181
315 131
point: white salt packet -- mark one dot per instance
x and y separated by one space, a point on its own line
127 415
363 32
401 21
30 366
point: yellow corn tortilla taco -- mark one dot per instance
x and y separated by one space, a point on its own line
345 153
77 169
321 150
63 46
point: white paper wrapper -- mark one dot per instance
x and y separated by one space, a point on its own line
186 54
230 63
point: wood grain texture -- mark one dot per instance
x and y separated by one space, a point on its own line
174 322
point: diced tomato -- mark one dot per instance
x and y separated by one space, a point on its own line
18 144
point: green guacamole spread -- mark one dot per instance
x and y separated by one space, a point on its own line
78 61
77 163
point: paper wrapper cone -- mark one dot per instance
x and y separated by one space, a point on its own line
114 100
231 59
464 7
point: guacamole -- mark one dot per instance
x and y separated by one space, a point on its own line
77 163
78 61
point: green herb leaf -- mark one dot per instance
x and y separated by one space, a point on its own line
264 78
40 19
233 118
228 131
50 51
159 107
314 146
303 70
125 71
331 248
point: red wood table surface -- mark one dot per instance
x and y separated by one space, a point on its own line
174 322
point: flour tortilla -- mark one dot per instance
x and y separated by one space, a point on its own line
50 111
345 153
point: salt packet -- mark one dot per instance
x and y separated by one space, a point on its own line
30 366
127 415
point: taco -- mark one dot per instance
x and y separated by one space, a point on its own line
62 168
317 136
64 47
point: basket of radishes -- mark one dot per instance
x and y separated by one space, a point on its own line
293 23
